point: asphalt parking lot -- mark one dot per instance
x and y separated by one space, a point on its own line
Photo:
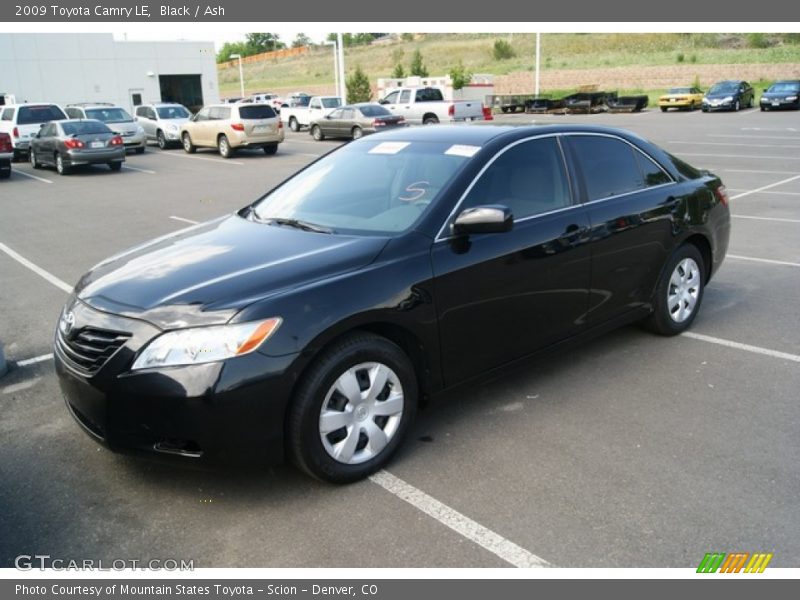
631 451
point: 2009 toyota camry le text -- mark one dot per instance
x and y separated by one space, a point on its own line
311 323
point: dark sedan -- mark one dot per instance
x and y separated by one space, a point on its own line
355 121
70 143
315 319
728 95
780 95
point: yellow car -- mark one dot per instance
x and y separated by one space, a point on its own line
681 97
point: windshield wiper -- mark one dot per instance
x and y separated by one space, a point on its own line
297 224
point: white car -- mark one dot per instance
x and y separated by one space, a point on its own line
318 107
162 122
23 121
116 117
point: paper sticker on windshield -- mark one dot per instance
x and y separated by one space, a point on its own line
389 147
462 150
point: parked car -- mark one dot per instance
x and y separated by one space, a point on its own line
681 98
229 127
728 95
23 121
273 100
162 122
74 142
116 117
6 155
394 267
297 117
427 106
296 99
355 121
781 94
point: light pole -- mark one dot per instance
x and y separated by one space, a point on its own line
342 83
241 73
335 63
538 52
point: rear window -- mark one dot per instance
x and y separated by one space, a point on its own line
258 111
374 111
84 127
109 115
331 102
29 115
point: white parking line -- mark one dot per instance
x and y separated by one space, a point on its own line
34 360
127 168
774 193
765 187
740 346
36 269
758 171
36 177
748 156
741 135
731 144
461 524
763 260
777 219
185 220
221 161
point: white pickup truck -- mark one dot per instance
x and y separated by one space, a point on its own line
427 106
318 107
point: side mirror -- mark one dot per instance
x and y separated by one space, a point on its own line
491 218
383 101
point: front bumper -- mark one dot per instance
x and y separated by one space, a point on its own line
134 140
779 103
229 409
712 105
91 157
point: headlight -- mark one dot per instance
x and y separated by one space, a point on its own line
791 98
198 345
728 99
139 130
172 127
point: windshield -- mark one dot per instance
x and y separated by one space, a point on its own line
724 88
109 115
367 188
331 102
784 87
29 115
173 112
680 91
84 127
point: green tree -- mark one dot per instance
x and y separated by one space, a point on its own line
460 76
263 42
301 40
358 89
502 50
229 48
399 71
417 66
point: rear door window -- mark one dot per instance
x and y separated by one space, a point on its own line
608 165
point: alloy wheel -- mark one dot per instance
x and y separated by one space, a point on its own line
683 290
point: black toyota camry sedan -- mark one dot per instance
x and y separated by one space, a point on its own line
313 321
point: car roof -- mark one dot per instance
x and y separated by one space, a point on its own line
483 134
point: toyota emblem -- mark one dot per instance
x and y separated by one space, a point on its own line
67 323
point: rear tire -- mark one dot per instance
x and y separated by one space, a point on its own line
61 168
188 146
679 292
294 125
316 133
430 120
357 133
737 106
663 109
140 150
224 147
115 166
271 149
378 372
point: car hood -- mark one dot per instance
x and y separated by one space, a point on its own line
124 126
207 273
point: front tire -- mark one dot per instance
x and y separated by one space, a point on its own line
430 120
294 125
161 140
271 149
679 292
663 109
115 166
34 163
188 146
352 409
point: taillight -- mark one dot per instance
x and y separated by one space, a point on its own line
116 141
280 124
15 132
73 143
378 123
722 195
451 110
5 143
237 126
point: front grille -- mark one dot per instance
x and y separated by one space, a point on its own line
88 349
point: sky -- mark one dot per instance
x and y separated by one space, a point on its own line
197 32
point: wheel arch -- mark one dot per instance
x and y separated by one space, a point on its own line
702 244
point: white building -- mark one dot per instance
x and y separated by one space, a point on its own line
94 67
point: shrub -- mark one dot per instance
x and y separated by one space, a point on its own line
502 50
399 72
460 76
358 89
757 40
417 66
680 57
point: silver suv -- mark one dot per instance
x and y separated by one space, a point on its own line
162 122
115 117
22 121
